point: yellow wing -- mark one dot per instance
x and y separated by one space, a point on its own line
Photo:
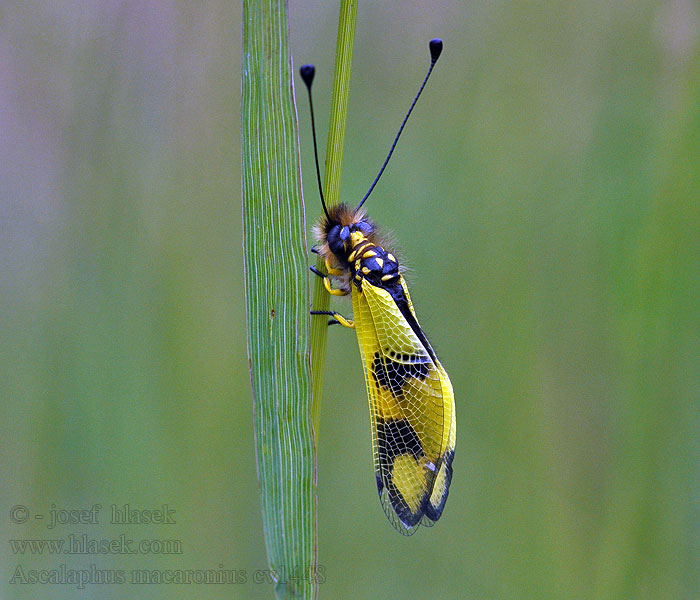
411 405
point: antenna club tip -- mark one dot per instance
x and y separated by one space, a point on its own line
307 73
435 48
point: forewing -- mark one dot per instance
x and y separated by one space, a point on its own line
411 409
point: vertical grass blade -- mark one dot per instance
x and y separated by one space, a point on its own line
276 285
331 186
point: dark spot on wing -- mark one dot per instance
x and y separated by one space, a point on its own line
397 438
392 375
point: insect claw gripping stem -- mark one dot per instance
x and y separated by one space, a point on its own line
316 272
337 316
327 283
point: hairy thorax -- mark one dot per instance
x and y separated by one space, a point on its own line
348 241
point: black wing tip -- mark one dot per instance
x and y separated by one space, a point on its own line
433 513
401 517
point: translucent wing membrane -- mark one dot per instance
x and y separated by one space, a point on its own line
411 410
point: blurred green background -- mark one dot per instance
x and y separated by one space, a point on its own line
545 197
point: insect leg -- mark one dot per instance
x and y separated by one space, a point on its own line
337 316
332 270
327 283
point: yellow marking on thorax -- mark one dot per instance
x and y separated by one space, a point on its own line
358 241
356 237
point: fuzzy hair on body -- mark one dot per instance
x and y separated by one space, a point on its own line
339 217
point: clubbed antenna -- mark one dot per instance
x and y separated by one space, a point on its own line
307 73
435 50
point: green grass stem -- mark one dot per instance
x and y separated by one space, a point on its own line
331 187
276 281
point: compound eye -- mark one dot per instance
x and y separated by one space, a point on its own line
334 242
345 234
